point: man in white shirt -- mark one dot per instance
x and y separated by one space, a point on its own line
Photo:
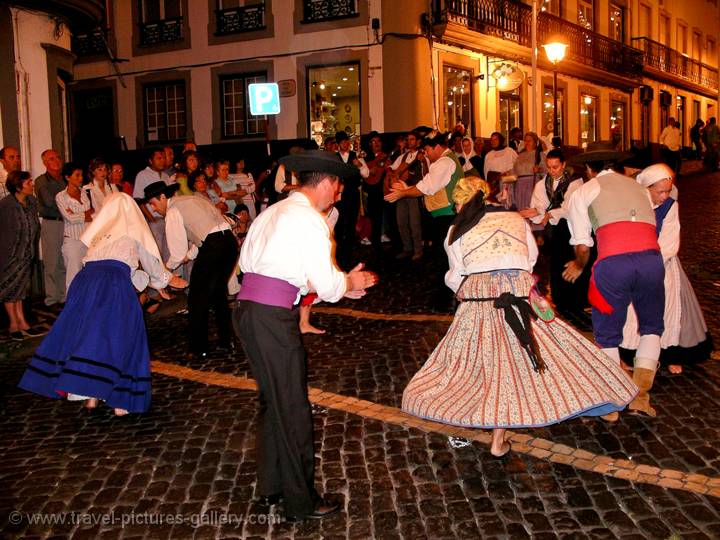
152 173
286 254
548 207
195 229
629 267
671 145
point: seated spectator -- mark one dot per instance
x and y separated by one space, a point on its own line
189 163
246 185
117 178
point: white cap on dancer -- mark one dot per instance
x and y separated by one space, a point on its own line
653 174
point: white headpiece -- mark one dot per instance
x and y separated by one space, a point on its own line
654 173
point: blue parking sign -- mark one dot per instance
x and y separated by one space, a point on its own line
264 98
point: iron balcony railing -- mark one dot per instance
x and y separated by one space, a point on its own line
329 10
512 20
90 44
240 19
159 32
663 58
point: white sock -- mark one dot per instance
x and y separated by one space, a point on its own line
613 353
648 352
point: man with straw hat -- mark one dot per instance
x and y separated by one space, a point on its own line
629 267
288 253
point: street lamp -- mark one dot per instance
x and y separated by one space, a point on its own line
555 51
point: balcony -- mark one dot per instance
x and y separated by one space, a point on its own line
160 32
512 20
673 64
241 19
90 44
328 10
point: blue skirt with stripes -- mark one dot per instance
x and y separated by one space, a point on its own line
98 345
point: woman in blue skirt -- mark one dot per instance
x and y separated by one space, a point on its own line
97 349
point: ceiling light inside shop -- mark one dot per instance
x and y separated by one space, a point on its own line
322 86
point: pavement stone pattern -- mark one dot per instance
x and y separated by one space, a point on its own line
192 455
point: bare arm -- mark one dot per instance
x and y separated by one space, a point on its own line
574 268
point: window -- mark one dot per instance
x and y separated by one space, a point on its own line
617 124
696 52
510 112
588 120
680 116
238 16
457 96
548 124
664 30
328 10
711 55
165 112
682 38
553 6
585 14
617 23
665 101
161 21
645 28
334 96
236 118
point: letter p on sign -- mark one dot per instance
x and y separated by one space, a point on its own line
264 98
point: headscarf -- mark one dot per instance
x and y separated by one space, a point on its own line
467 165
653 174
120 216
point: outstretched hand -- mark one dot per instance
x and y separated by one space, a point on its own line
359 280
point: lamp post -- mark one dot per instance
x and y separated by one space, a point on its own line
555 51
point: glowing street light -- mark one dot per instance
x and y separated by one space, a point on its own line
555 51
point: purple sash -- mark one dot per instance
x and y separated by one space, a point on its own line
268 291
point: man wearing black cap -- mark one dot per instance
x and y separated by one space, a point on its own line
629 267
286 254
349 205
195 229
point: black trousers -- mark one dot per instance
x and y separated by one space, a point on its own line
208 289
285 454
374 211
345 236
568 297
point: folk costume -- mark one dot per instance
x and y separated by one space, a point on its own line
349 204
98 345
629 267
407 210
287 253
196 230
685 338
497 366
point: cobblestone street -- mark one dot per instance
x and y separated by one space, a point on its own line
186 469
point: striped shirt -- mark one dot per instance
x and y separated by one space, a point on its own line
73 213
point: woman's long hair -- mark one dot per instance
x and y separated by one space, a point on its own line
469 216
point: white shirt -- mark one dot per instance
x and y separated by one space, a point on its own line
577 211
671 138
364 169
438 176
143 179
98 194
176 237
291 241
540 201
500 160
73 213
458 270
280 178
132 253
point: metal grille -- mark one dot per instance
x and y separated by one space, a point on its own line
512 20
158 32
165 112
91 44
328 10
663 58
240 19
237 120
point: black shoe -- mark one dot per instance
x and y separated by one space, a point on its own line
17 336
269 500
34 332
322 510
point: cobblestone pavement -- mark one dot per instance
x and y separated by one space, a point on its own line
190 461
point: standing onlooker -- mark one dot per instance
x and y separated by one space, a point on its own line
500 158
169 160
670 144
695 137
117 178
99 188
153 173
18 247
349 205
516 141
47 186
77 211
9 162
711 138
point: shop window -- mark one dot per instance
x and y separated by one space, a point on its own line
236 118
586 17
510 112
165 112
457 97
334 96
617 124
588 120
553 7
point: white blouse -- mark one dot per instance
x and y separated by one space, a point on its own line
73 213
